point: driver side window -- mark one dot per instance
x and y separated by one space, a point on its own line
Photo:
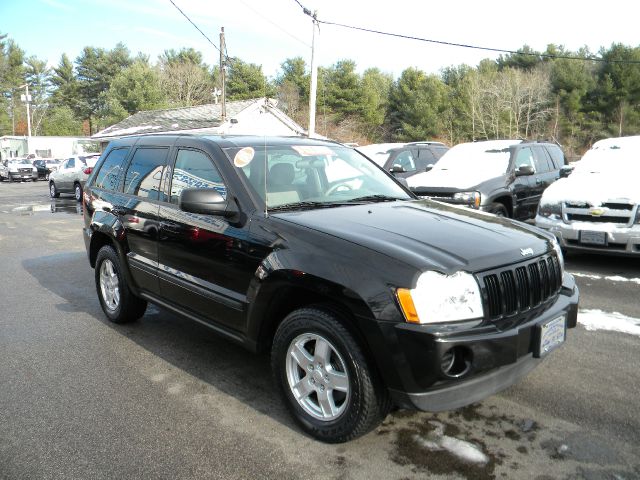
524 158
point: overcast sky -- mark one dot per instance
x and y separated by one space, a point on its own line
267 32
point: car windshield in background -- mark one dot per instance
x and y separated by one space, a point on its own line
615 160
21 162
492 158
312 176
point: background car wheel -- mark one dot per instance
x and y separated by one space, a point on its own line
53 191
498 210
77 192
119 304
324 377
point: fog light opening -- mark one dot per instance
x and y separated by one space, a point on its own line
456 362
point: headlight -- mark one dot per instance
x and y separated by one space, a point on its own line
470 198
556 247
548 209
441 298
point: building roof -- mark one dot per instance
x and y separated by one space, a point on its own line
183 119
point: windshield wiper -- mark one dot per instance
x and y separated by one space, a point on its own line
304 205
374 198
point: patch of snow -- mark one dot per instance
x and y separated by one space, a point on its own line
437 441
614 278
614 321
466 165
606 172
130 130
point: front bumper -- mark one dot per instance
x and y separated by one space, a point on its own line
621 240
499 358
23 175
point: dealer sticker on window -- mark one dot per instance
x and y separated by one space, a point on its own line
552 334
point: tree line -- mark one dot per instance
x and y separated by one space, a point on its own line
528 94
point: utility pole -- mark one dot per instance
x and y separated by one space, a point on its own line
314 75
27 99
223 76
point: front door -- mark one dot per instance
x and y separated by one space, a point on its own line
204 265
523 186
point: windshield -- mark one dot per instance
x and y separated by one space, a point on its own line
615 159
308 176
21 162
491 158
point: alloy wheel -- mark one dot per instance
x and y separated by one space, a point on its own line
109 285
317 376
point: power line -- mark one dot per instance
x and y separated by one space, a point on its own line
464 45
197 28
275 24
476 47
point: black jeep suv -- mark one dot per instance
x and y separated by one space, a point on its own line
504 177
365 296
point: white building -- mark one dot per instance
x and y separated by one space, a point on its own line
45 147
258 116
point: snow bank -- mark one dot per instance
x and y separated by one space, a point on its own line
613 322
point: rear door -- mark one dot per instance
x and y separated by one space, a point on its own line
138 208
545 174
64 178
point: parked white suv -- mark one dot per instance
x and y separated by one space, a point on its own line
71 175
597 208
19 170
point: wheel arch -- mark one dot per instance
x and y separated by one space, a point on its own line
505 199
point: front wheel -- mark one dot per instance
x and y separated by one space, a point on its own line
53 191
77 192
324 377
119 304
498 210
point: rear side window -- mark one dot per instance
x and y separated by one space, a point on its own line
107 176
543 160
194 169
145 172
557 156
71 163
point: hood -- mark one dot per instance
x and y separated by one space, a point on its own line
594 188
428 235
454 179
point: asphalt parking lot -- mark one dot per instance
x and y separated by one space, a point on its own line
166 398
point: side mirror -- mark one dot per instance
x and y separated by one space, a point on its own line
565 171
429 167
205 200
397 169
524 171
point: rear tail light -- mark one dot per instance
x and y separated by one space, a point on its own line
88 170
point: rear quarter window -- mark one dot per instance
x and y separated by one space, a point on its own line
557 156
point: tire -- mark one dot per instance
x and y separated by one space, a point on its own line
498 210
53 190
118 303
338 397
77 192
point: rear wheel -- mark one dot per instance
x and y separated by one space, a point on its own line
498 210
53 191
119 304
324 377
